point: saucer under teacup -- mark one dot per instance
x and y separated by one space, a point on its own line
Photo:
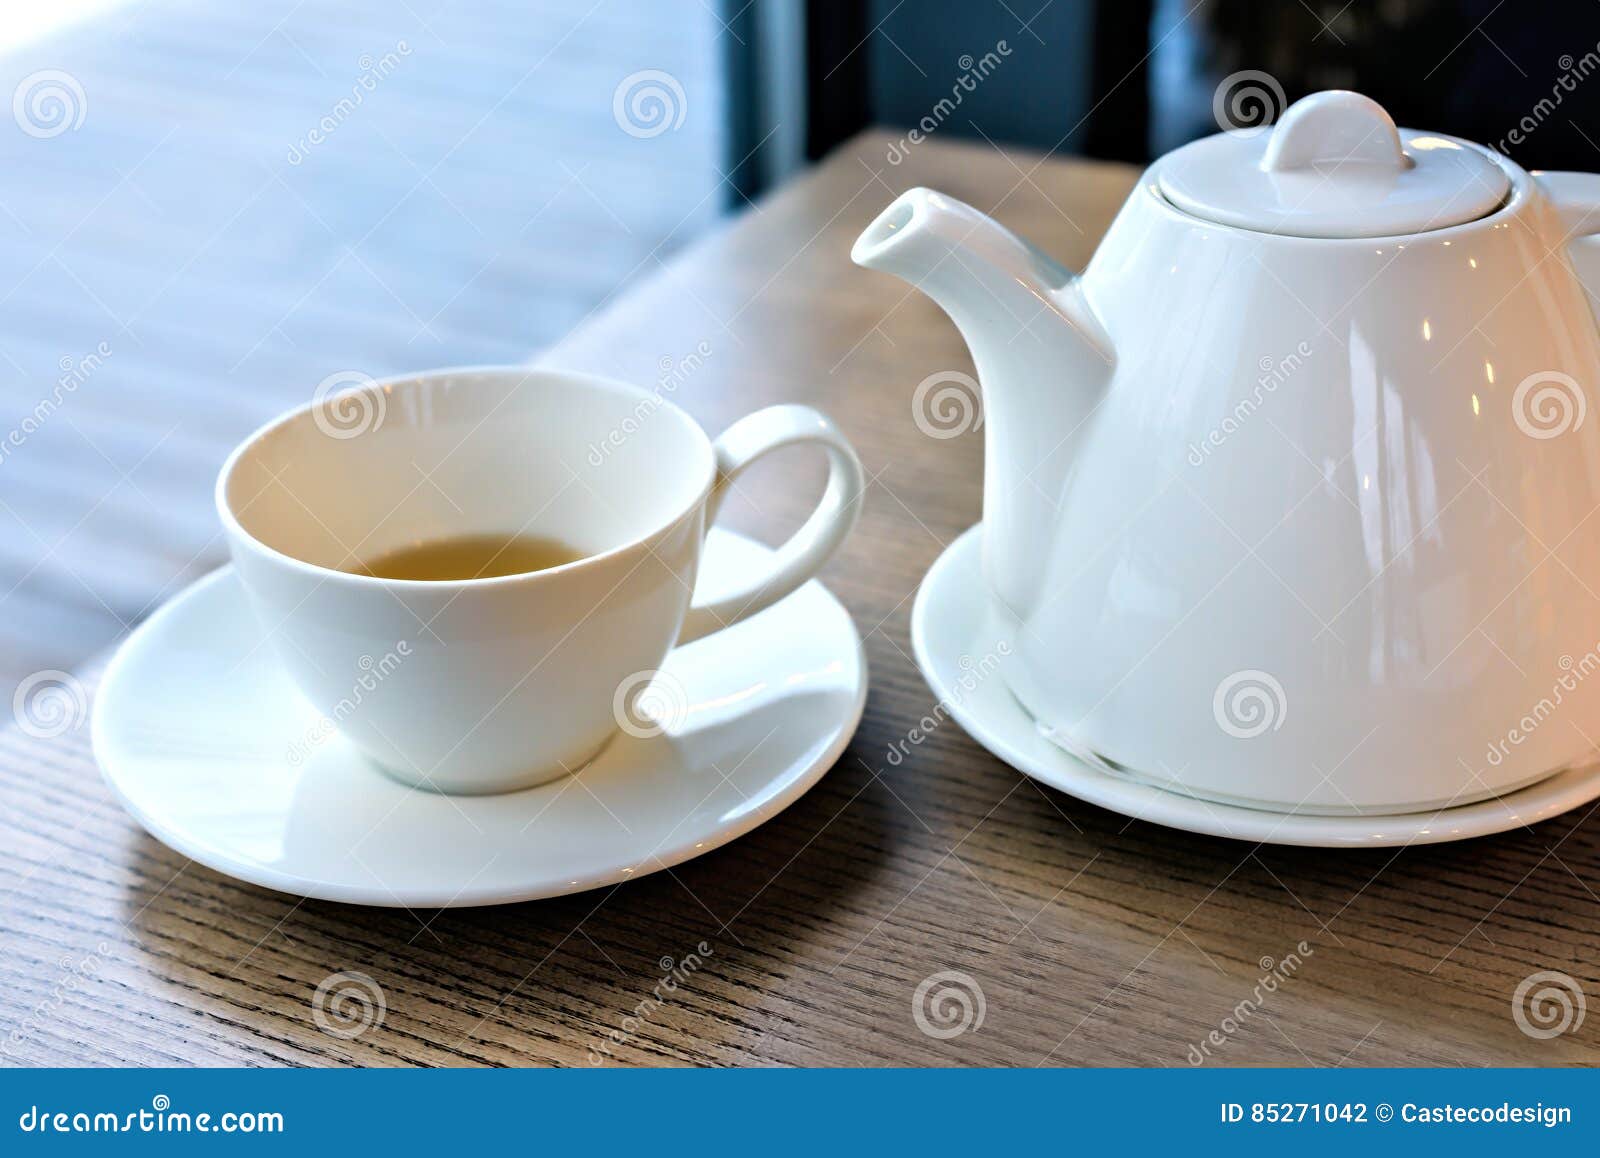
948 638
209 746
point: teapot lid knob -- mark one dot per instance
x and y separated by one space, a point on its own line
1334 166
1338 127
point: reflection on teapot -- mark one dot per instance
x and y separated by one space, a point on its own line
1288 496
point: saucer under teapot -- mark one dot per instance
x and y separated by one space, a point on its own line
958 653
1288 494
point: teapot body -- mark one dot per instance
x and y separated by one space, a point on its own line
1329 540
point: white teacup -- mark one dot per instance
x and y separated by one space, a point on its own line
495 684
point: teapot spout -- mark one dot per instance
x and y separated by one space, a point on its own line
1042 357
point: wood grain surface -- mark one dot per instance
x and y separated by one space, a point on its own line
1092 938
202 264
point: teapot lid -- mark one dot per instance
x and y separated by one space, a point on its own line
1334 166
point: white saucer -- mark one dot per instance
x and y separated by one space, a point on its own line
194 724
948 638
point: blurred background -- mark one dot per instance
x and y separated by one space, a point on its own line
208 210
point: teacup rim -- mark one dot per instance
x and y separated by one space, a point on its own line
235 529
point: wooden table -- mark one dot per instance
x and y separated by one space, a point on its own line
216 270
1093 939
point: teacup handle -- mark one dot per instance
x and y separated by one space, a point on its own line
809 548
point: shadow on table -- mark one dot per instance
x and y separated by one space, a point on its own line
651 970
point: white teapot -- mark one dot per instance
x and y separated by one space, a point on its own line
1290 499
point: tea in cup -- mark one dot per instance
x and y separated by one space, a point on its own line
463 514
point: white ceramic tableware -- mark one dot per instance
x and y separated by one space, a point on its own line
495 684
1288 495
956 643
205 740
